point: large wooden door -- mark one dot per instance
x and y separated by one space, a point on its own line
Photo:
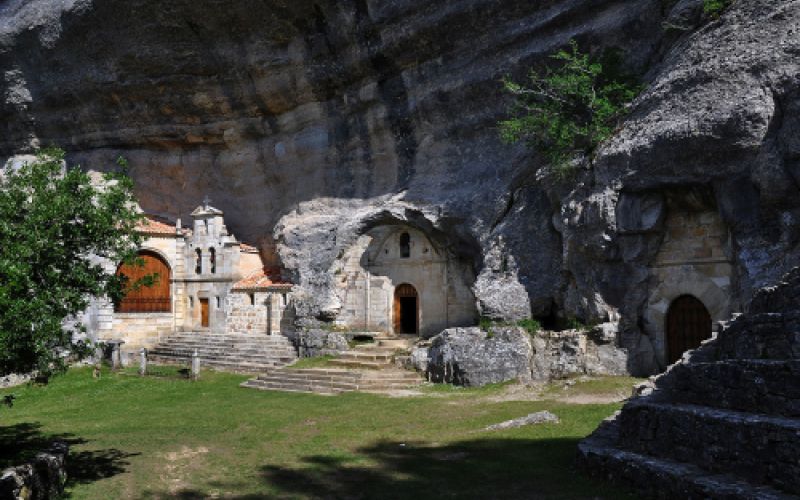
204 313
406 309
688 324
146 299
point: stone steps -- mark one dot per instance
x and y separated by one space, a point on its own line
701 435
238 353
325 381
666 479
755 385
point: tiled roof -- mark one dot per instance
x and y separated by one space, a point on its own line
154 226
269 277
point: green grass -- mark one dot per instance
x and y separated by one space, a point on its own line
167 437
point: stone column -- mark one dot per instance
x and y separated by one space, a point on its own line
143 362
195 365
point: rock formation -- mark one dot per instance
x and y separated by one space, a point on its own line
722 423
310 123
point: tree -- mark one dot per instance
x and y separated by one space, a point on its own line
568 110
56 230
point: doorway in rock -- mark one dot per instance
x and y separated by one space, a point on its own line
406 310
688 324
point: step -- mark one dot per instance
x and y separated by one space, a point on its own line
666 479
366 356
759 448
773 336
235 366
364 364
763 386
250 384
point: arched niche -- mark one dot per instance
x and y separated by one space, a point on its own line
147 299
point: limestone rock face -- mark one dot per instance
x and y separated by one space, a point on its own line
313 342
471 357
310 123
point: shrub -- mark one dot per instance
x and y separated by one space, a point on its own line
530 325
568 110
715 8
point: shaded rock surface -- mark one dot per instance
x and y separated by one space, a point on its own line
473 357
41 479
736 392
310 122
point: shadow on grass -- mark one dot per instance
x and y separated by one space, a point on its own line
482 468
19 443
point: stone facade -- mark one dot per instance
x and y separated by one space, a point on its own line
694 259
209 269
370 271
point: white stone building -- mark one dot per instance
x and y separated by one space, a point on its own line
206 281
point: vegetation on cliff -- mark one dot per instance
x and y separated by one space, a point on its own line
56 226
567 110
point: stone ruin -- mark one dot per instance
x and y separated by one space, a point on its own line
723 422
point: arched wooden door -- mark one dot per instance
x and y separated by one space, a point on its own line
147 299
688 324
406 309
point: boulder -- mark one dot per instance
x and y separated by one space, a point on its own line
313 343
473 357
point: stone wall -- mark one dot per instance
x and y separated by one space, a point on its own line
263 312
143 329
694 259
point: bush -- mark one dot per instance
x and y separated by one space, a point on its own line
567 111
715 8
530 325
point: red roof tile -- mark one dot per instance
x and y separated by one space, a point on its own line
269 277
152 225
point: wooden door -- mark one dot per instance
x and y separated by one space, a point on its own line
688 324
204 313
146 299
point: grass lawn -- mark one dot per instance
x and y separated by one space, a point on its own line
165 437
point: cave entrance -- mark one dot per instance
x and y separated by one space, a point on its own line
688 324
406 310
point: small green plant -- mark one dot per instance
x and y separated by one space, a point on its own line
530 325
573 323
715 8
485 323
568 110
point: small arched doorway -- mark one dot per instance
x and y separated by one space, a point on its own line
146 299
406 309
688 324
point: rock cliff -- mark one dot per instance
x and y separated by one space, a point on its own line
309 123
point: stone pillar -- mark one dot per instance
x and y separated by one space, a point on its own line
195 365
143 362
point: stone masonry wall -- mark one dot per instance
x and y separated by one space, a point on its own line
693 259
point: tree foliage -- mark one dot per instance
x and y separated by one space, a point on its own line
567 110
56 229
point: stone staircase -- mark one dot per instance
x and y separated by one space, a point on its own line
334 381
367 368
249 353
724 422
